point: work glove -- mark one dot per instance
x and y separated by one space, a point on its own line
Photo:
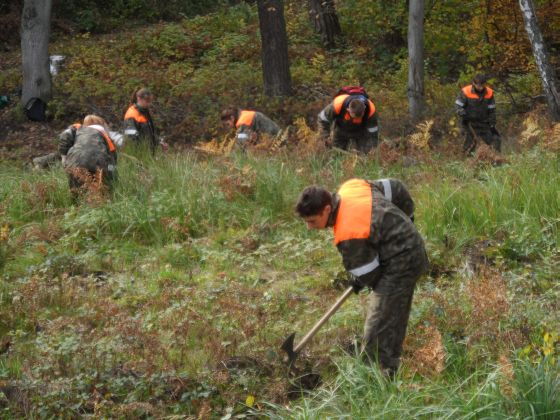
63 159
356 284
462 112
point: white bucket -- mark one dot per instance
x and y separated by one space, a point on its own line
56 62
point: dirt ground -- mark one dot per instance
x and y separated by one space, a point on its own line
25 140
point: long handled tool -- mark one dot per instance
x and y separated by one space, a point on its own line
288 345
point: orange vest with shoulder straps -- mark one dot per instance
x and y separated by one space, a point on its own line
338 104
133 113
353 220
245 118
468 92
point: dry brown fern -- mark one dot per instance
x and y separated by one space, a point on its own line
422 137
485 154
425 351
551 141
532 132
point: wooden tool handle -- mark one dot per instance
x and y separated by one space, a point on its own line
324 319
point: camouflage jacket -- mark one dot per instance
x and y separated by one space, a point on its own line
250 122
139 126
89 149
335 116
395 191
476 107
379 244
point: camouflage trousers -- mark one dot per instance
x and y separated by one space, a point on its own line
359 140
484 132
45 162
385 328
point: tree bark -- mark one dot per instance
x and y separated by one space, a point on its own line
547 72
416 59
325 21
275 62
35 32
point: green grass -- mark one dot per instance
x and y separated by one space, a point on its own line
196 259
360 391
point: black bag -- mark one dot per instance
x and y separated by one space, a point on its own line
4 101
36 109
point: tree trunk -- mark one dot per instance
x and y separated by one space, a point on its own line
548 75
416 59
325 20
35 32
275 62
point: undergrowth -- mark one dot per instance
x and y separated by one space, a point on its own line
142 302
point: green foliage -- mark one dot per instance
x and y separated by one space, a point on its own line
358 391
104 15
192 250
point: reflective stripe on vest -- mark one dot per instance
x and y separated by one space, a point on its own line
245 118
133 113
108 140
353 220
338 104
469 92
388 191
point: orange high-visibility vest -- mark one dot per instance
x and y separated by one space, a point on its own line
108 140
468 92
353 220
245 118
338 104
133 113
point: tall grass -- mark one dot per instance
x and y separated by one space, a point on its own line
360 391
518 203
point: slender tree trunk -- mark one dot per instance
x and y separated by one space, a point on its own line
35 32
548 75
416 59
325 20
275 62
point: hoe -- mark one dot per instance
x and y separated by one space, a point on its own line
288 345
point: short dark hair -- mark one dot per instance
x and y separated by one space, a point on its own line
142 93
357 107
480 79
227 113
312 201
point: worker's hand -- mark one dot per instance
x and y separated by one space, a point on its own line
63 159
356 284
164 146
462 112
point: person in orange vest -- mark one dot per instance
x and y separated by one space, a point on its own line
248 123
88 152
381 249
138 124
476 107
350 117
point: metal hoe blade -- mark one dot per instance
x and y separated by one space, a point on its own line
288 347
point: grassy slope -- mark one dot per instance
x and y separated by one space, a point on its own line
127 307
137 299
